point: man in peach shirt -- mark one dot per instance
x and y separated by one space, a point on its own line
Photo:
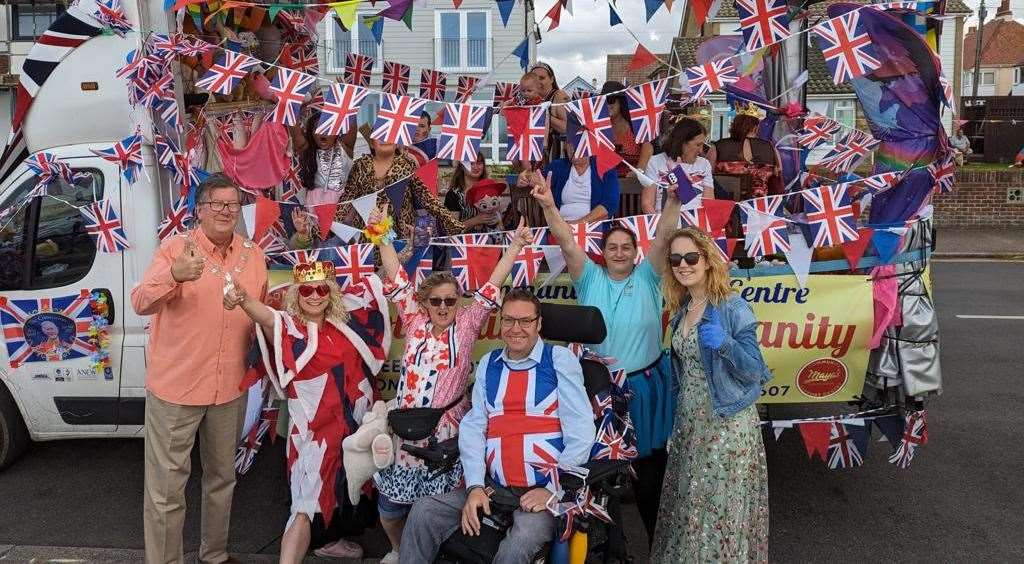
195 363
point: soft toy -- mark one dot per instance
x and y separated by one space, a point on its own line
369 449
486 197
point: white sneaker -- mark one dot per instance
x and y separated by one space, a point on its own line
390 558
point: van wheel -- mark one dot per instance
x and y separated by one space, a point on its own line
14 436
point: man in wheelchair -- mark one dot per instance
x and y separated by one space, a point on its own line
530 411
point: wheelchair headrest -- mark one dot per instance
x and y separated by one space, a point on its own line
572 323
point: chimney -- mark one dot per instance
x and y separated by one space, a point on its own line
1004 12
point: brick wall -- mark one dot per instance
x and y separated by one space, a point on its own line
979 199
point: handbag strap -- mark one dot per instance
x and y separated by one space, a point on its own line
453 403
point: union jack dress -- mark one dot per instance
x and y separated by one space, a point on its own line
326 374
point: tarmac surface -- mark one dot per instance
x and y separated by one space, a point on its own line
960 501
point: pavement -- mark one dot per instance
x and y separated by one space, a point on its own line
959 502
979 243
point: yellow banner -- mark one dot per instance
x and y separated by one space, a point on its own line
815 339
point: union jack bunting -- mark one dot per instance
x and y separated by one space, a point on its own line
594 509
842 449
300 256
297 29
646 103
165 148
588 236
915 434
526 266
774 238
848 50
724 244
395 79
292 183
532 137
169 113
879 183
505 92
595 125
710 77
848 152
49 168
830 215
397 119
158 91
127 154
103 223
460 264
303 59
132 64
226 73
291 88
613 445
27 342
111 14
943 172
643 226
358 69
177 220
763 22
424 268
433 85
355 262
817 130
463 128
272 242
339 109
467 87
164 46
947 91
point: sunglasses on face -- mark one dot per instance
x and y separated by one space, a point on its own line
306 290
436 302
691 258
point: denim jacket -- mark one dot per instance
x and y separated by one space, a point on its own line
736 371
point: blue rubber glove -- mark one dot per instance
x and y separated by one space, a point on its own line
711 332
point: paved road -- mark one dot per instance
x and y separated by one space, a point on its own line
959 502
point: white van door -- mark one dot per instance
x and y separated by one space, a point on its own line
51 275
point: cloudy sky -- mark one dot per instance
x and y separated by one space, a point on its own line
579 44
1016 6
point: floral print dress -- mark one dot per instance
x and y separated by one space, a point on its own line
434 373
714 505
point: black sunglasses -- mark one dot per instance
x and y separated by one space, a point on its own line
436 302
691 258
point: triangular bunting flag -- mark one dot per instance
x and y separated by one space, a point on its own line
365 205
652 7
376 25
505 9
886 242
641 58
816 435
861 435
779 426
523 52
267 213
854 250
344 232
613 17
718 211
799 258
346 13
556 262
555 13
407 17
396 193
325 217
607 159
249 219
428 175
891 427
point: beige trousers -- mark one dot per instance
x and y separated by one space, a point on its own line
170 433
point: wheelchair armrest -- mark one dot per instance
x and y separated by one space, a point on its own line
436 453
598 471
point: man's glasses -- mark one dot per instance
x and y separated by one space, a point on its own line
509 322
691 258
436 302
221 206
307 290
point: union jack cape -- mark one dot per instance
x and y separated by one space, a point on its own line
103 223
830 215
15 315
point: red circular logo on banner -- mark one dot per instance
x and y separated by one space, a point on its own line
821 378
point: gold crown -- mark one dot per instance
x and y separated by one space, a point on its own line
750 109
312 271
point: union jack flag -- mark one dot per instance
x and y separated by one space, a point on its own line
526 266
588 236
915 434
158 91
848 52
292 183
433 85
127 154
133 64
340 107
424 268
169 113
297 30
763 22
164 46
165 150
19 315
111 13
643 226
397 119
612 445
830 215
817 130
177 221
103 223
272 242
646 103
595 125
848 152
942 172
460 264
303 58
358 69
463 128
467 87
774 238
710 77
724 244
395 79
879 183
291 88
225 74
49 168
355 262
505 92
300 256
532 137
842 449
710 217
594 509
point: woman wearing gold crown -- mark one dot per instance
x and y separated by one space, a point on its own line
321 352
743 153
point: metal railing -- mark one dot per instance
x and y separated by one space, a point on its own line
462 53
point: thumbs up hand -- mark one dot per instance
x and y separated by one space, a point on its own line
711 332
189 264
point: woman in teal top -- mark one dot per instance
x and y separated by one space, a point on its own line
630 299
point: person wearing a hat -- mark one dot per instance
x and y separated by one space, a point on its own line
465 176
489 199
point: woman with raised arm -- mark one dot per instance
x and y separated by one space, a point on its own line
629 297
439 339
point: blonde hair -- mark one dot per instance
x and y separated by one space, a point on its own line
716 286
335 311
435 280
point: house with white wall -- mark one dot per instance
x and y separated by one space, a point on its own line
20 24
1001 72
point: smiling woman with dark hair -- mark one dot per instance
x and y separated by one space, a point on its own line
683 146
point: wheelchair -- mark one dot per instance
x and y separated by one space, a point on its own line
605 483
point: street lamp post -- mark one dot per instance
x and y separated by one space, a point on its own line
977 51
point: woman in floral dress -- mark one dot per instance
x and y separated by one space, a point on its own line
715 507
439 340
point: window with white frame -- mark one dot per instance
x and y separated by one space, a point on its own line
845 113
462 40
988 78
1018 75
968 78
357 40
29 21
494 145
721 119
